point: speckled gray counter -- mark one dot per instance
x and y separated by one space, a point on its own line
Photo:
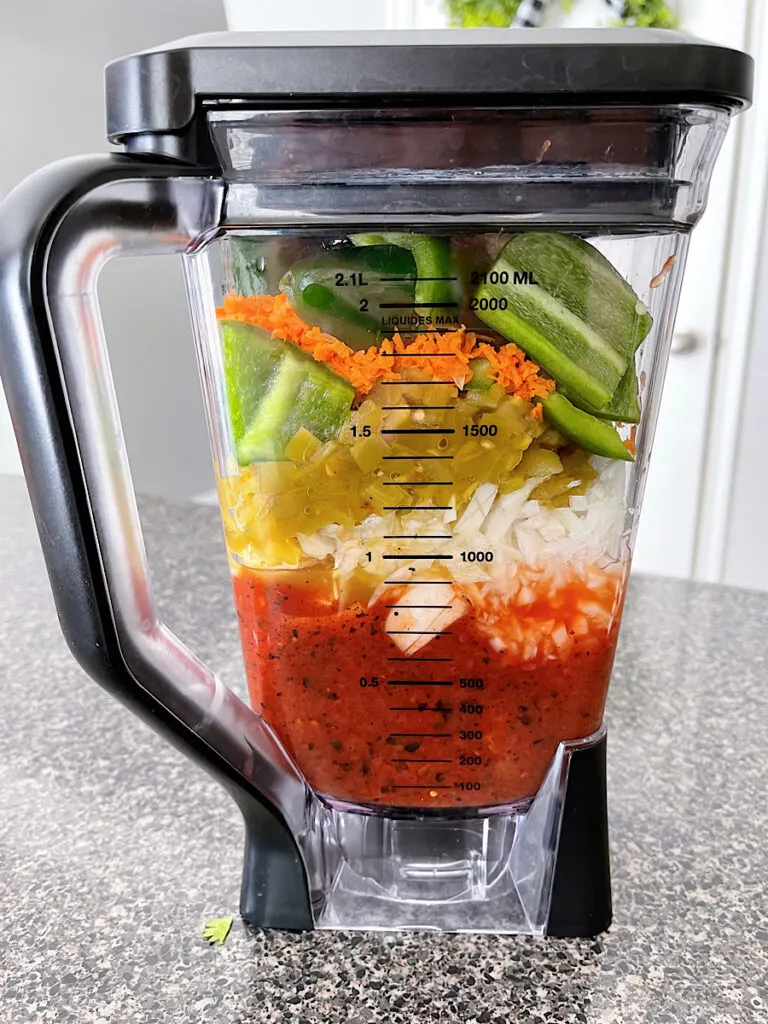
114 848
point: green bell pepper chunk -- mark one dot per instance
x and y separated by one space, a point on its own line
256 263
624 407
437 280
348 292
274 389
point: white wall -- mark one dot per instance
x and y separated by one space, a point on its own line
746 547
306 15
52 55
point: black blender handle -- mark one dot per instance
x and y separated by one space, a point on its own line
56 231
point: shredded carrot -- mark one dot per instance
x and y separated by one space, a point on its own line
630 443
273 313
364 369
655 281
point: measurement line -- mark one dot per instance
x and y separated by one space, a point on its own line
422 787
409 407
410 660
392 280
421 735
419 430
409 355
417 458
415 583
418 483
410 329
419 383
421 760
443 607
421 709
417 508
409 557
418 305
419 682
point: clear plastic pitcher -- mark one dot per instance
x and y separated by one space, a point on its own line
432 285
428 512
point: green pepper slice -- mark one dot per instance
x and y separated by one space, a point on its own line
583 429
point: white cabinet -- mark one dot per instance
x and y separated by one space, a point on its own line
672 535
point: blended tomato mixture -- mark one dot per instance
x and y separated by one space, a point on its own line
460 724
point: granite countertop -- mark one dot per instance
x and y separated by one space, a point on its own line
114 849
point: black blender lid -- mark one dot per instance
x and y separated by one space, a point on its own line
161 90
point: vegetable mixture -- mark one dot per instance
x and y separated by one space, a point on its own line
426 514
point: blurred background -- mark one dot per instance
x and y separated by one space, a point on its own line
708 481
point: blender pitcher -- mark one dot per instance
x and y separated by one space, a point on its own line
432 282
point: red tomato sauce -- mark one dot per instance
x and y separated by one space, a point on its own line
480 728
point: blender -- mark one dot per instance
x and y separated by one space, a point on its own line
432 281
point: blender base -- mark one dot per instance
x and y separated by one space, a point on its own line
542 869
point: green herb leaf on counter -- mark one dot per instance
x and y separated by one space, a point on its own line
217 929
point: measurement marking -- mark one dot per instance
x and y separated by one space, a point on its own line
392 280
422 787
416 406
418 483
421 760
409 660
421 735
418 305
419 682
420 383
417 458
408 557
409 355
443 607
421 709
417 508
419 430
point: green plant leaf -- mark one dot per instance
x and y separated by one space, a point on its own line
649 14
481 13
217 929
501 13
